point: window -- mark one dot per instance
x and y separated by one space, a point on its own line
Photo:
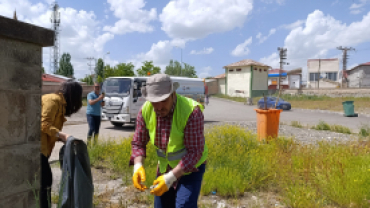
314 76
137 91
231 70
238 69
332 76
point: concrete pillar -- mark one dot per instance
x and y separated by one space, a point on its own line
20 105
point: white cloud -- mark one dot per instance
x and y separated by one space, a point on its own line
80 31
242 49
178 42
357 8
335 2
281 2
264 38
319 36
352 66
132 17
205 72
357 11
293 25
159 53
101 40
272 60
190 19
204 51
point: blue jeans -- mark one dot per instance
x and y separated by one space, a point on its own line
186 193
94 124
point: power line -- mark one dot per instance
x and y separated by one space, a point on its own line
89 64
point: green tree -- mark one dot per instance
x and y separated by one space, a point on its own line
108 71
65 66
122 69
148 69
99 70
125 70
189 71
88 80
174 68
43 70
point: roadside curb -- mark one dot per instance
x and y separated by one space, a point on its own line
217 98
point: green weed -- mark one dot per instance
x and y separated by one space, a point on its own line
303 175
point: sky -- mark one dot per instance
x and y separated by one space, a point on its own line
208 34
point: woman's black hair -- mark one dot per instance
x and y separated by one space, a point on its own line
72 92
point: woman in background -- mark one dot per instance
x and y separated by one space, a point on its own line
65 102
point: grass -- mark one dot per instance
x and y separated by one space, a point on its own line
237 99
84 101
327 103
296 124
335 128
364 131
321 175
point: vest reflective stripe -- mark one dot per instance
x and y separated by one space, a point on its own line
175 148
171 156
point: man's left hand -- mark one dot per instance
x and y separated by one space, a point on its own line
163 183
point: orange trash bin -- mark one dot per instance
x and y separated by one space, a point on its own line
268 123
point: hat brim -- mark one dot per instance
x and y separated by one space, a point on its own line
156 99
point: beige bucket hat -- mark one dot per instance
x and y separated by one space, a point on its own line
158 88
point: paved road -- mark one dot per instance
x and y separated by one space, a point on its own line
223 110
218 110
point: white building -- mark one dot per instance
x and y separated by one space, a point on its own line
246 78
323 73
359 76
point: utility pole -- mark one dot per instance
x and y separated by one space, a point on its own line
344 59
282 54
318 80
89 64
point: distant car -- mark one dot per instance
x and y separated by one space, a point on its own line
282 104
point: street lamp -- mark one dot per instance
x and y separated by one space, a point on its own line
105 55
181 60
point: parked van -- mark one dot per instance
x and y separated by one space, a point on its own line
123 99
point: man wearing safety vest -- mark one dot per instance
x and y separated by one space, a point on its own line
175 126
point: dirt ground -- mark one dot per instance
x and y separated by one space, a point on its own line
111 192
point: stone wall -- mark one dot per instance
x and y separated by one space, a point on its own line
20 110
347 92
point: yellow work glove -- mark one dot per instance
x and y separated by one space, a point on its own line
163 183
139 177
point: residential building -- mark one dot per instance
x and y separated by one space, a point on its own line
359 76
212 85
273 77
221 83
295 78
323 73
246 78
